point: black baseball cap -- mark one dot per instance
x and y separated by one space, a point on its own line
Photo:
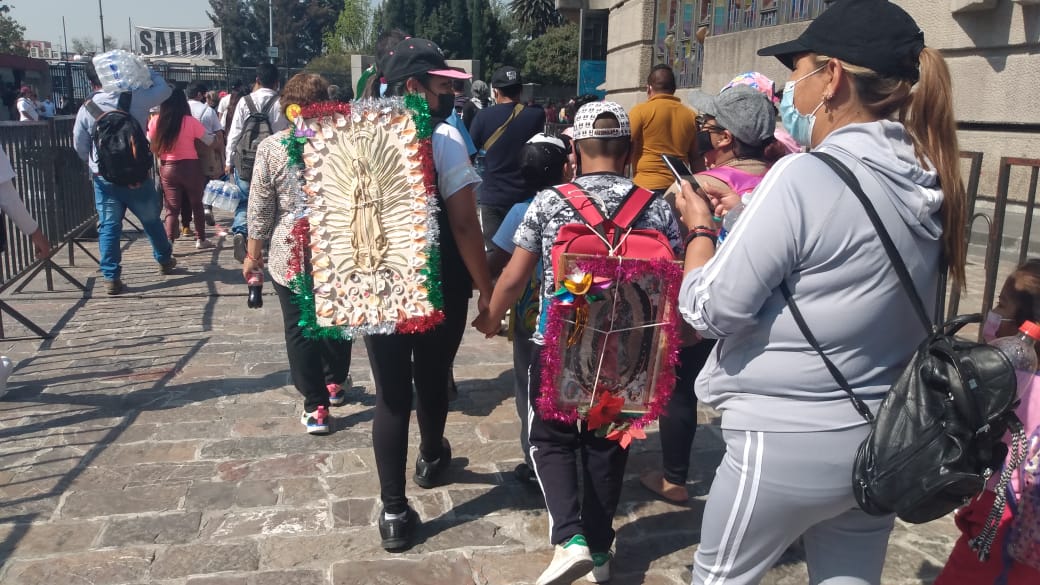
416 56
875 34
505 76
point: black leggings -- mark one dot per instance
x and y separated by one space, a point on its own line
397 361
313 364
678 424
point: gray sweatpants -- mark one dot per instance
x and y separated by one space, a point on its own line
772 488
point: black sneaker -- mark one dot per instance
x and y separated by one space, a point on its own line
524 474
209 216
427 473
397 533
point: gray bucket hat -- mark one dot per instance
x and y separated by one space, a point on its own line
742 110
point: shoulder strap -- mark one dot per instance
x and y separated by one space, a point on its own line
93 109
886 241
858 404
266 111
250 104
585 208
502 129
635 203
125 99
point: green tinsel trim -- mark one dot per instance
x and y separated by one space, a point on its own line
420 114
302 287
432 272
294 146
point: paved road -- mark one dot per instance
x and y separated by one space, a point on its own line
155 439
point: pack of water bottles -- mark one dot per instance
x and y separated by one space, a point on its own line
119 71
222 195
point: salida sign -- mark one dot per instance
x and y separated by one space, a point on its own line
179 42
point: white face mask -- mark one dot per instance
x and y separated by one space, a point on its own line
991 325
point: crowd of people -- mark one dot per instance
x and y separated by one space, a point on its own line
863 88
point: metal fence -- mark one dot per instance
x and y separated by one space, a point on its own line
55 186
737 15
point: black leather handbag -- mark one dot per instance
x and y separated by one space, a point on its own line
938 435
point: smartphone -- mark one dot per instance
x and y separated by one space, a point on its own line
680 170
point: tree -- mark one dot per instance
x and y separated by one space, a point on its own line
241 45
83 45
552 58
352 32
535 17
12 39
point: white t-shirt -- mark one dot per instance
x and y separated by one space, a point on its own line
451 160
222 108
206 116
27 110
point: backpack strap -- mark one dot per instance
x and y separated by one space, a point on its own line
93 109
266 110
250 104
636 202
585 208
125 99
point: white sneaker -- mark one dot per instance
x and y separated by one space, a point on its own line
600 573
6 367
570 561
317 422
203 244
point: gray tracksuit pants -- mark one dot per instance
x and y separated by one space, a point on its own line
772 488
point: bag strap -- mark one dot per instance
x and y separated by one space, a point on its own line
635 203
250 105
502 129
585 208
860 406
125 99
846 175
266 110
93 109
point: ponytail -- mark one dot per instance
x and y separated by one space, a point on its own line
929 119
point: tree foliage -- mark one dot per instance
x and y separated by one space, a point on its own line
352 32
12 39
535 17
552 59
300 29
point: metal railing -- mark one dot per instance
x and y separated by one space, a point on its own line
55 186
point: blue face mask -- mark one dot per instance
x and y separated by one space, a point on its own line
798 124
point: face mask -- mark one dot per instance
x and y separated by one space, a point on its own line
704 142
991 325
799 125
444 107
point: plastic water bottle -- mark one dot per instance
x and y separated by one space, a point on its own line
1020 348
256 290
111 71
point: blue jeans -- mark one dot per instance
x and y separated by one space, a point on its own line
238 225
112 201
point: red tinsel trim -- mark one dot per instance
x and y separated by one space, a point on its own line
325 109
299 240
667 272
421 324
429 169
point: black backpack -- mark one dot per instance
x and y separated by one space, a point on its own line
124 156
255 128
938 435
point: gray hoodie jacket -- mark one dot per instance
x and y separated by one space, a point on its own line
803 225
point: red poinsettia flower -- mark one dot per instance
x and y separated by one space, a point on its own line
625 435
605 410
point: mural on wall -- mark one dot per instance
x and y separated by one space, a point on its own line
680 27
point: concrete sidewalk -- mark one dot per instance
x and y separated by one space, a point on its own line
155 439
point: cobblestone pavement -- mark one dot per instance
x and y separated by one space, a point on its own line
155 439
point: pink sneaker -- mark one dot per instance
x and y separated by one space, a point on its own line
338 392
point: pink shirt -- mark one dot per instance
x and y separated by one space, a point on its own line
184 147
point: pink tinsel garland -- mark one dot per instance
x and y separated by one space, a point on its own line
668 273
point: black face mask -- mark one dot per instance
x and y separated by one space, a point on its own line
444 107
704 142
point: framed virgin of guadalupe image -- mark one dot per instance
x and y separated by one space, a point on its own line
612 326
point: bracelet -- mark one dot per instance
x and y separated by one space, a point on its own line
253 258
698 233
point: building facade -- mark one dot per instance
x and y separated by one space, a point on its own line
990 46
43 50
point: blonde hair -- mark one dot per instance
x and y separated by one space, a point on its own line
926 111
